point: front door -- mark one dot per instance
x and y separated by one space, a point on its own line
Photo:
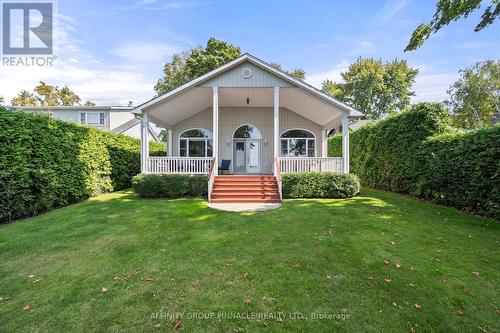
246 156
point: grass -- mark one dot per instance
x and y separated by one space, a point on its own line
160 259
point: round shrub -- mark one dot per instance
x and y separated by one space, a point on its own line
319 185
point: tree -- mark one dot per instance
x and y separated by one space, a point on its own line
452 10
298 73
25 98
47 94
2 99
375 88
89 103
189 65
475 96
67 97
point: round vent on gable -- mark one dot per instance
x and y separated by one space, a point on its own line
246 73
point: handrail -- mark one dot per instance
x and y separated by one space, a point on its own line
298 164
211 178
178 164
278 176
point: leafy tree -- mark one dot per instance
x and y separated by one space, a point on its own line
25 98
2 99
189 65
67 97
89 103
475 97
47 94
375 88
298 73
452 10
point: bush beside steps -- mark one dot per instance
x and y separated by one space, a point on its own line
169 186
320 185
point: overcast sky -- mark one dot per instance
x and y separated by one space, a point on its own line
113 51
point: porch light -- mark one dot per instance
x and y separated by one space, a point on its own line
228 142
265 142
248 100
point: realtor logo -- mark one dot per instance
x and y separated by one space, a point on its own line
27 28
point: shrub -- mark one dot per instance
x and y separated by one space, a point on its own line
46 163
169 186
416 153
319 185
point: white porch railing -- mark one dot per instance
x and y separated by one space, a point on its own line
310 164
182 165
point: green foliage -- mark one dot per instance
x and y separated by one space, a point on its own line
452 10
417 154
46 163
319 185
187 66
475 97
49 96
169 186
24 98
298 73
375 88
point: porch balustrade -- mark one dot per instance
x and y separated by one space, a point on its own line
310 164
179 165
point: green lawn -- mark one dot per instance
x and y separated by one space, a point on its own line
162 258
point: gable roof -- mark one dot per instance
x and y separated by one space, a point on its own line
258 62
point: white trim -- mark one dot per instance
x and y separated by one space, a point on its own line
87 113
256 61
276 124
261 140
194 139
246 124
307 147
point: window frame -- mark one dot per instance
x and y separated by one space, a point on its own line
187 139
288 139
101 116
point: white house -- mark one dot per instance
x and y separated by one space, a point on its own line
117 119
254 117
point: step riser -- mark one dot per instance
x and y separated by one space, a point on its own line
241 189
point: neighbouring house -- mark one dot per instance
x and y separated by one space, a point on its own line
257 118
117 119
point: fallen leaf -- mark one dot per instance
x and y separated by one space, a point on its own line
417 306
4 298
146 278
248 301
280 319
387 280
296 265
135 271
398 265
482 329
392 242
457 312
328 277
369 277
37 280
31 276
497 310
245 275
26 307
475 273
413 330
386 262
116 278
177 324
394 304
268 299
128 277
104 290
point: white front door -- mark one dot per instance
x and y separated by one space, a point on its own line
253 156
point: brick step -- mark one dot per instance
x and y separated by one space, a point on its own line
238 178
245 200
244 189
245 183
243 193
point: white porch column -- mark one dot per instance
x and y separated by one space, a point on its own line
345 142
144 142
170 142
276 126
215 141
324 142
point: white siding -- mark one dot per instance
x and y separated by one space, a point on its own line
233 78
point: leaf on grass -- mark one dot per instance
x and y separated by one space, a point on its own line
475 273
116 278
268 299
245 275
457 312
388 280
135 271
31 276
26 307
4 298
398 265
328 277
417 306
393 243
104 290
370 277
413 330
386 262
248 301
177 324
37 280
146 278
128 277
296 265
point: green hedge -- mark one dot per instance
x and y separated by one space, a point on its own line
416 153
46 163
319 185
169 186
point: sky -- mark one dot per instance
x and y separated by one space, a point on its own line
112 52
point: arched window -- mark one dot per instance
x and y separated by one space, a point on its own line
196 142
298 142
247 132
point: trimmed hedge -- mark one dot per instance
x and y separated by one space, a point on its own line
169 186
46 163
319 185
415 153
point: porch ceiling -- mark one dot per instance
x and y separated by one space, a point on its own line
187 104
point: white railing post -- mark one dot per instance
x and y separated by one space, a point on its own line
345 142
215 120
276 125
144 142
170 142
